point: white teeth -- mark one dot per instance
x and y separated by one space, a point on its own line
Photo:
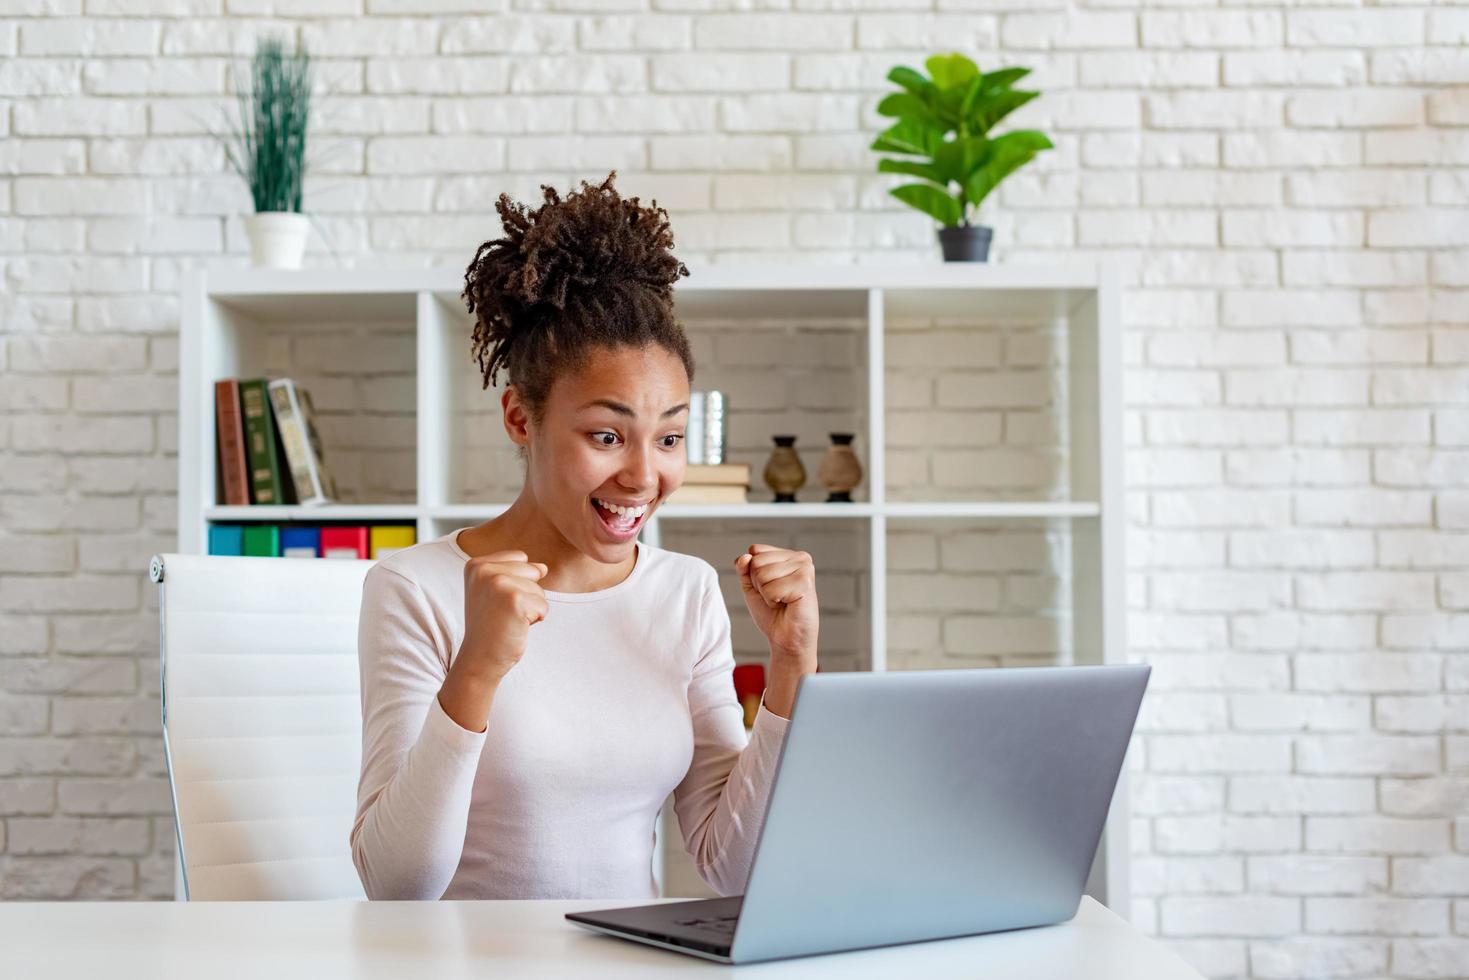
633 512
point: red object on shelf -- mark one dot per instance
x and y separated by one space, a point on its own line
343 542
749 679
749 685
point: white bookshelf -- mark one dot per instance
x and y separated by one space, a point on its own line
231 316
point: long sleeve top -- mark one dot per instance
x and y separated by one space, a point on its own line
623 695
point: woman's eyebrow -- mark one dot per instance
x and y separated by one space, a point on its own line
622 409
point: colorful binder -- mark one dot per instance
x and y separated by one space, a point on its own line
262 540
300 542
388 538
226 539
344 542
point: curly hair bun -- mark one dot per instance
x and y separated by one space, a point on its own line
589 240
592 267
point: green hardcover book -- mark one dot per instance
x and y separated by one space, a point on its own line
260 443
263 540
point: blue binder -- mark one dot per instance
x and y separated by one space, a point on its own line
226 539
301 542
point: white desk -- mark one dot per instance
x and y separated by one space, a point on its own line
397 940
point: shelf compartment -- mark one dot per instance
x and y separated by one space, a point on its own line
788 375
980 593
356 361
976 407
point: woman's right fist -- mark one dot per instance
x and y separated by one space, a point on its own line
502 601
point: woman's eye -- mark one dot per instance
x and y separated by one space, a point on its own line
669 441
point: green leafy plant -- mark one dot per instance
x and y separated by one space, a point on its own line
268 147
958 100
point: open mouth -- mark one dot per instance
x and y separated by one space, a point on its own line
620 522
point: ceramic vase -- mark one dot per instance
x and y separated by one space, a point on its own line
840 469
784 473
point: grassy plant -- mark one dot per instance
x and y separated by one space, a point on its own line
268 147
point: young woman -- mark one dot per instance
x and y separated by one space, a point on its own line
533 688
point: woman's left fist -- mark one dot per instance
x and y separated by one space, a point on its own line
780 591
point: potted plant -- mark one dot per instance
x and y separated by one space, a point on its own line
958 172
268 149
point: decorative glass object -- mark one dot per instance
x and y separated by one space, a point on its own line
704 436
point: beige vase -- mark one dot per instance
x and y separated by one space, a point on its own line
840 469
784 473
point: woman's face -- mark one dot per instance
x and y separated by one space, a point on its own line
612 434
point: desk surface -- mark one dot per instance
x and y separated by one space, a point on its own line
287 940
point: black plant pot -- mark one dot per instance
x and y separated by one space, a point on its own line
966 243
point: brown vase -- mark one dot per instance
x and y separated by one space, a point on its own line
783 471
840 469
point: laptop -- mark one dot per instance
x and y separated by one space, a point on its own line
919 805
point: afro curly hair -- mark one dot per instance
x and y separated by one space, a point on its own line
593 270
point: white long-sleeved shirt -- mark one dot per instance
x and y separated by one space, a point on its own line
623 696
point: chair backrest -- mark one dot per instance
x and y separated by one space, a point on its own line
262 722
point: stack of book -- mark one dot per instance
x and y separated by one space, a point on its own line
302 541
713 483
268 448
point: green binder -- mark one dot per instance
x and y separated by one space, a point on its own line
263 540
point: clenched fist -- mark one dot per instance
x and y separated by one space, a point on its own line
779 586
503 599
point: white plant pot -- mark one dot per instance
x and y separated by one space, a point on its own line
277 238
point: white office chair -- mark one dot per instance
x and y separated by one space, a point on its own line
262 722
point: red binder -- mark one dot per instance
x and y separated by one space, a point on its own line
344 542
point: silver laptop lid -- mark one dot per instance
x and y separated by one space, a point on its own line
924 804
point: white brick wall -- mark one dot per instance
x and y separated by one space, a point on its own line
1284 188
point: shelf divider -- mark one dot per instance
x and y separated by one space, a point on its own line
437 471
877 532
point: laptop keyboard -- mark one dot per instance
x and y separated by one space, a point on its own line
720 923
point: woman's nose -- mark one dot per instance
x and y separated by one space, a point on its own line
640 471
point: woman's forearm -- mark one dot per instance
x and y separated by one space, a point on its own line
467 697
785 679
